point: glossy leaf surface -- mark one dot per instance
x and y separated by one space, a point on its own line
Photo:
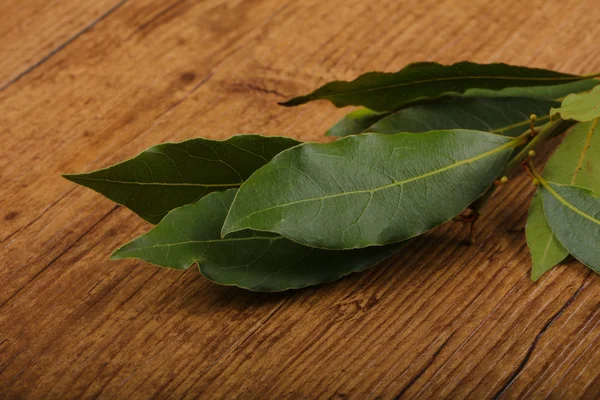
545 249
573 213
575 162
251 260
174 174
381 91
369 189
553 92
356 122
361 120
580 107
507 116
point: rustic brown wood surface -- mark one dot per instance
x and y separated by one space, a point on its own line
86 84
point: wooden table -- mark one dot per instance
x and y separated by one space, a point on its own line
84 84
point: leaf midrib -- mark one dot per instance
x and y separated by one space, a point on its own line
573 180
586 147
160 183
270 238
566 203
547 248
367 90
505 146
499 131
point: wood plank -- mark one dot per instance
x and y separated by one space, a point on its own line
440 319
31 31
123 104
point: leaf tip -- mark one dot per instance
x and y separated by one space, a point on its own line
230 227
69 177
296 101
288 103
226 230
75 178
122 252
117 255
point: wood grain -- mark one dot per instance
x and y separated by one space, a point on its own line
31 31
441 319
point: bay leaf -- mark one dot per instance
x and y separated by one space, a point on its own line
508 116
251 260
370 189
173 174
361 120
580 106
553 92
575 162
545 249
356 122
382 91
573 214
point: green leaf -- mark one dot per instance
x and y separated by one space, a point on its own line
542 99
173 174
575 162
250 260
381 91
573 213
580 107
508 116
546 250
553 92
355 122
369 189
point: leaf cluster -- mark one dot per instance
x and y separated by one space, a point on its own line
429 144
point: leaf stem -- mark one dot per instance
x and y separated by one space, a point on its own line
545 132
535 174
548 130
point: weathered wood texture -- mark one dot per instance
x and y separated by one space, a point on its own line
31 31
100 81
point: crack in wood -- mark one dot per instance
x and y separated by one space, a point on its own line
62 253
63 45
239 344
33 221
424 368
515 374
